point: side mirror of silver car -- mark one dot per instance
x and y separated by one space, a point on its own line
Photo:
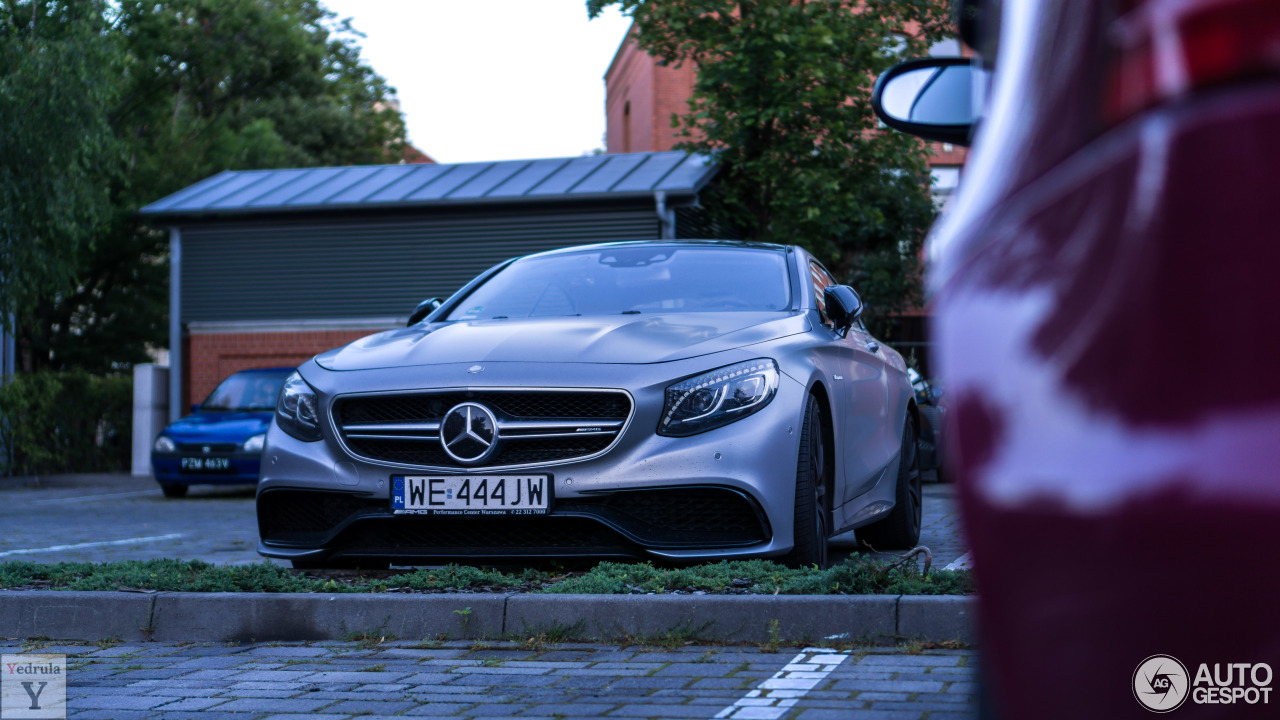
843 305
425 308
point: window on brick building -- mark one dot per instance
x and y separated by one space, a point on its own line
626 127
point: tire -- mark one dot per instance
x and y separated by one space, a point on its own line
812 517
173 490
900 529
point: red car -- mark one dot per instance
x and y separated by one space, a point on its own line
1104 286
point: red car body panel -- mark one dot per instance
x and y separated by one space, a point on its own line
1104 301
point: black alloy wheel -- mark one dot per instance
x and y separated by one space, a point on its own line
812 517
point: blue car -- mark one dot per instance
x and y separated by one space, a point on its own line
220 442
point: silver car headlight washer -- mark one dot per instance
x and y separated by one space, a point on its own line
298 409
718 397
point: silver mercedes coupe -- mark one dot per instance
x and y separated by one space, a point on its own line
677 400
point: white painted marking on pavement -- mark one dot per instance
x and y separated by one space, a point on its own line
775 697
82 498
960 563
100 543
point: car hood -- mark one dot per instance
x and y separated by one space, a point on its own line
219 427
597 339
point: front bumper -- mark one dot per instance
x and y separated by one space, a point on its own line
723 493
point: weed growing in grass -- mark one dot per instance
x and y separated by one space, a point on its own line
369 639
104 643
537 638
464 617
775 638
675 637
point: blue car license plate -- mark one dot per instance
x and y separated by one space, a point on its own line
206 464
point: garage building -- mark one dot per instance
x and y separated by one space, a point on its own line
270 267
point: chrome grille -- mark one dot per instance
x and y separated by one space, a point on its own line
533 427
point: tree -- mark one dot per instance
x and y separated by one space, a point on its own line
782 99
203 86
58 77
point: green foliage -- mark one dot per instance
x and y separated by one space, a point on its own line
65 422
856 576
162 94
180 575
456 576
782 99
59 74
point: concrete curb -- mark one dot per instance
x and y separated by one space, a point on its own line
244 617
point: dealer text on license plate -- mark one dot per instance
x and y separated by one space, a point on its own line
471 494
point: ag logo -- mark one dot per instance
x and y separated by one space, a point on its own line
1160 683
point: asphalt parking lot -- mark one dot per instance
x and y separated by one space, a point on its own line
102 518
464 679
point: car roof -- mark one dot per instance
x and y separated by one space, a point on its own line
664 243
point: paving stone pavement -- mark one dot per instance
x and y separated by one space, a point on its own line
465 679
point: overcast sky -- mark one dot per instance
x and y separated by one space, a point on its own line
492 80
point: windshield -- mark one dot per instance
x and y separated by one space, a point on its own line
246 391
633 279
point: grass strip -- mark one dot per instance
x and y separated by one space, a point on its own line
855 576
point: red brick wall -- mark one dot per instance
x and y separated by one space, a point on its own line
211 357
652 93
655 92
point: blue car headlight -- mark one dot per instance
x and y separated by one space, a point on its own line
719 397
164 445
297 410
255 443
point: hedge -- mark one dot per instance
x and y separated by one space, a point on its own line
65 422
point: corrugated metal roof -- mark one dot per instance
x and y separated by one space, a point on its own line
341 188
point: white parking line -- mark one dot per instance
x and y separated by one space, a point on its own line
100 543
960 563
82 498
775 697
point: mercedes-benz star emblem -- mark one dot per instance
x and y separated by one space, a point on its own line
469 433
475 369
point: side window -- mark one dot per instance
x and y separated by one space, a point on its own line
821 281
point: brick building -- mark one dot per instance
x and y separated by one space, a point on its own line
270 267
641 95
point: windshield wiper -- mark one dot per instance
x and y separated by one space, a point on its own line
630 312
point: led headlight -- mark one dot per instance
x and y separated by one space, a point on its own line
255 443
297 409
718 397
164 445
